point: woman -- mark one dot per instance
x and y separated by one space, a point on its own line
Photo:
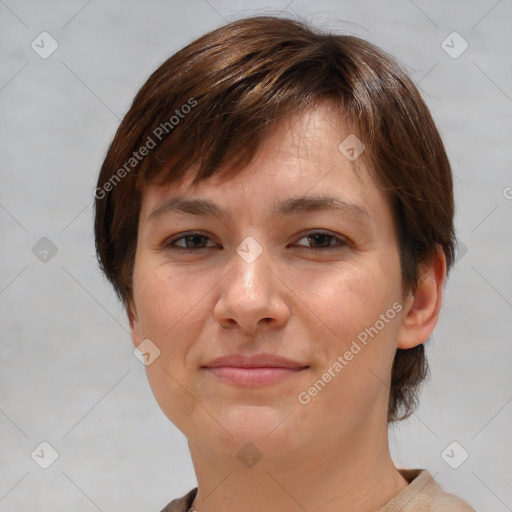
276 214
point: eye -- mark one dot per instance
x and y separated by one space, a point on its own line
323 241
188 242
195 241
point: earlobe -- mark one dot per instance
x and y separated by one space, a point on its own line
424 304
135 328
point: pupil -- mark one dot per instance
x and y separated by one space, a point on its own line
318 238
193 239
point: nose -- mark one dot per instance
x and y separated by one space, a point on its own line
252 296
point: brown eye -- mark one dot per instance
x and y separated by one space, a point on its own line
322 241
190 241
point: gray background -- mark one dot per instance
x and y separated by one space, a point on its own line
68 374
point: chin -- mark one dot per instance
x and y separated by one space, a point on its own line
264 426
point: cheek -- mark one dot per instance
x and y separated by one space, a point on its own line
359 307
173 307
357 353
168 305
164 299
348 300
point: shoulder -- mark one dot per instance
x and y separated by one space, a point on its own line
451 503
181 504
424 494
443 501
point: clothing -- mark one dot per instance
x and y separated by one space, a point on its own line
423 494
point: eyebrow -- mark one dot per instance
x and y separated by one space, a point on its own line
180 204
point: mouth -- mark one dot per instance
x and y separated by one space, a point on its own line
253 376
256 370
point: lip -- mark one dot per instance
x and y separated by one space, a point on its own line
263 360
258 370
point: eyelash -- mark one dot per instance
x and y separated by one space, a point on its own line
341 242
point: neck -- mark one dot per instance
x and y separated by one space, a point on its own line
351 476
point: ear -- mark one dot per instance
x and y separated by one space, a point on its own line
422 306
135 328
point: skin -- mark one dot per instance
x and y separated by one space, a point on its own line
332 453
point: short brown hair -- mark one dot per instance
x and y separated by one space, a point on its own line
236 82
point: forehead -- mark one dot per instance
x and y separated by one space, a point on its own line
315 153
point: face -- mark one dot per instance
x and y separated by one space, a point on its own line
316 281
